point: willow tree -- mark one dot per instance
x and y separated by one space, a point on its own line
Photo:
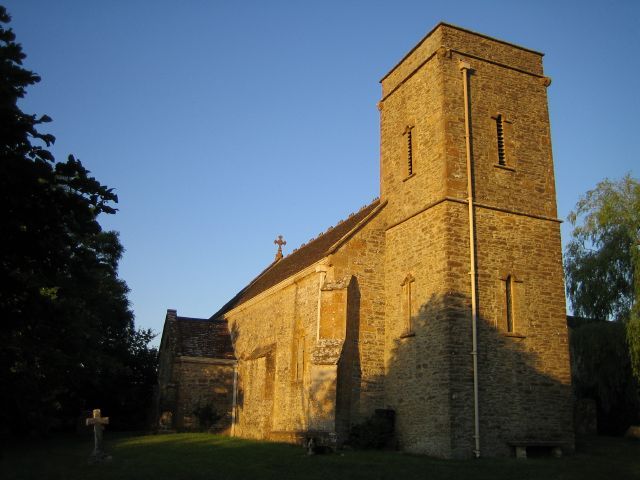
602 267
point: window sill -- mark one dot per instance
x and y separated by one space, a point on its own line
504 167
407 334
410 176
514 335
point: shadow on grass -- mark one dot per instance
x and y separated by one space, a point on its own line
204 456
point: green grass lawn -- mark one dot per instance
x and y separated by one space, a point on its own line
203 456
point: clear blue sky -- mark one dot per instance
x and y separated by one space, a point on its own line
224 124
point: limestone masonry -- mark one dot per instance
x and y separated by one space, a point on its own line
381 311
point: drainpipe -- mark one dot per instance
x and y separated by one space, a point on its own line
465 69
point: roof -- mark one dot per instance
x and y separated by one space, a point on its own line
301 258
200 337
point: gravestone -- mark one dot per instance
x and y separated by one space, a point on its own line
98 422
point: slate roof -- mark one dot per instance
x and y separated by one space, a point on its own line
200 337
301 258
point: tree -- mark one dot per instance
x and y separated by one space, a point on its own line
67 337
602 267
604 251
602 260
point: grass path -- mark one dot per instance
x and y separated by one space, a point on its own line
203 456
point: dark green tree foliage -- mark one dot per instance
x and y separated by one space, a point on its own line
601 370
67 337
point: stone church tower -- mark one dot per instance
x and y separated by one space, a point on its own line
443 300
464 118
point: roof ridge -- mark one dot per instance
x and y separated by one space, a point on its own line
302 256
214 317
328 229
193 319
356 227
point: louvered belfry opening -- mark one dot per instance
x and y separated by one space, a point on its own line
408 131
500 138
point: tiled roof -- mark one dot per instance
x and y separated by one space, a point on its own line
299 259
199 337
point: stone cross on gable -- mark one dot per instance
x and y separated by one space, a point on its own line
280 242
98 422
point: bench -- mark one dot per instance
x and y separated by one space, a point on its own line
521 446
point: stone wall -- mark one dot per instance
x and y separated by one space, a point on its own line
203 383
526 182
362 363
166 387
268 331
323 330
524 375
195 373
417 373
417 103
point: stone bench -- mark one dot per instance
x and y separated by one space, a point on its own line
521 446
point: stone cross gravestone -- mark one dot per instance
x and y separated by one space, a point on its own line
98 422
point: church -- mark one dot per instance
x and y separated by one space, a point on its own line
440 304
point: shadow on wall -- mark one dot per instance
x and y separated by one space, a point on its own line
239 391
524 386
349 384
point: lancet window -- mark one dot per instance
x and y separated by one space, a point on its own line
408 294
